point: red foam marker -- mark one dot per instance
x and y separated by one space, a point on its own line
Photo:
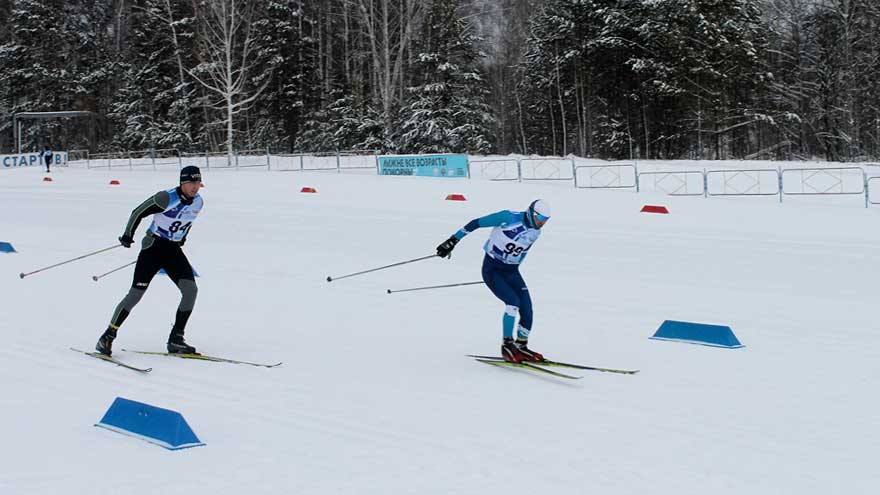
114 182
308 190
47 179
455 197
654 209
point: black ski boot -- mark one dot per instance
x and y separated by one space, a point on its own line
176 345
105 343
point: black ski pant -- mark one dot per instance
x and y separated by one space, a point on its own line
156 254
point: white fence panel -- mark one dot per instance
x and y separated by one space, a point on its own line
358 160
320 161
748 182
252 159
547 169
823 181
872 197
219 160
108 160
610 176
286 161
500 170
682 183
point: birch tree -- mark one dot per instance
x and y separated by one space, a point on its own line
226 54
388 25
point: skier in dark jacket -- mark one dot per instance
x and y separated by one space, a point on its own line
174 212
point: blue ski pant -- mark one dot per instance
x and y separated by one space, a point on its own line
507 284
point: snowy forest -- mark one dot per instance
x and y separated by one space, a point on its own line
644 79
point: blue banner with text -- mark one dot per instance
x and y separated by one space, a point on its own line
424 165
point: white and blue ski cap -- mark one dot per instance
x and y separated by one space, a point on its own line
539 212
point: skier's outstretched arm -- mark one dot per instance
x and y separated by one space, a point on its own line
156 203
496 219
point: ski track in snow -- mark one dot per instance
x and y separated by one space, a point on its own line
376 395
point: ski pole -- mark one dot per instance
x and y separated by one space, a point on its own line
435 287
96 277
330 279
23 275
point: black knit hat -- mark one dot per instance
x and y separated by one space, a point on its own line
190 173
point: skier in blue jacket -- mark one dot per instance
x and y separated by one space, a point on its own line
512 237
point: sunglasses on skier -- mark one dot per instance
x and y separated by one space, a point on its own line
540 220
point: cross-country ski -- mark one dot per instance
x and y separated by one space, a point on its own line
204 357
112 360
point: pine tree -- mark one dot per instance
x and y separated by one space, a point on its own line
447 108
40 68
571 72
153 106
654 72
346 123
286 56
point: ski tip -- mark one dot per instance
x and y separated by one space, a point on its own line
21 275
95 278
329 279
111 360
389 291
492 361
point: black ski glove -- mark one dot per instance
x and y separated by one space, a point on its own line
126 240
444 250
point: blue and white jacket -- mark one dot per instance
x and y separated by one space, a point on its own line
511 237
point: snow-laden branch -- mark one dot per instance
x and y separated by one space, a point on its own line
226 51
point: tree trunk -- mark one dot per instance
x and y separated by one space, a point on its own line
561 108
386 72
346 50
588 114
229 108
645 127
522 131
174 41
578 111
552 117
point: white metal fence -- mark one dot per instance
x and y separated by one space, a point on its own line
869 197
766 182
746 182
547 169
154 158
610 176
679 183
826 181
497 169
333 161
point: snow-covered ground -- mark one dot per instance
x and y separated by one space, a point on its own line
376 395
